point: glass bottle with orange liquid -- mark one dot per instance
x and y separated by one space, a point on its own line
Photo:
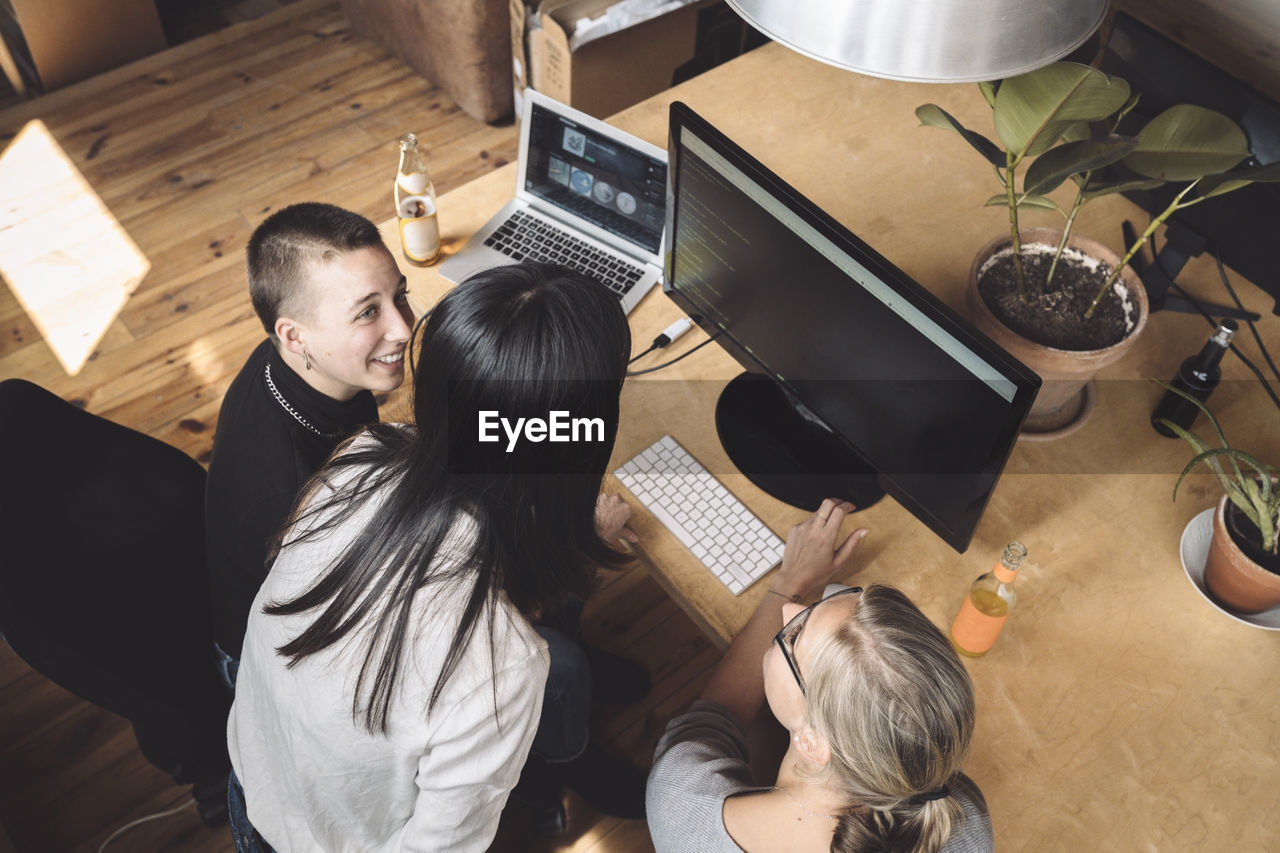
987 605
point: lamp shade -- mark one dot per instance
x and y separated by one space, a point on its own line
951 41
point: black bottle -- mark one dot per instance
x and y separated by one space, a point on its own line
1197 376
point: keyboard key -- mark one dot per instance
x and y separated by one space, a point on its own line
523 236
702 514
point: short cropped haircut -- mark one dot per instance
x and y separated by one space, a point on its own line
285 245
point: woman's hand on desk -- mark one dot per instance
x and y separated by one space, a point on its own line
812 556
612 515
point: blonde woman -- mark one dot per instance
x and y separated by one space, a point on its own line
879 710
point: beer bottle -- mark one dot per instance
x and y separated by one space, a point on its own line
1197 376
987 604
415 199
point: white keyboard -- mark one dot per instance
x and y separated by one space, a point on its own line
718 528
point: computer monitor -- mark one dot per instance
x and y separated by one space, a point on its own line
858 381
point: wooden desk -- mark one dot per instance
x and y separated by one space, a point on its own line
1118 711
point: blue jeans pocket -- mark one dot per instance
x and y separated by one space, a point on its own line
246 838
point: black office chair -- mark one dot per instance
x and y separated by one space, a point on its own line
102 579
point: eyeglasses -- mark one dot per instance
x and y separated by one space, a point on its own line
786 638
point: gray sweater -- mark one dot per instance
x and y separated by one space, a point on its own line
702 759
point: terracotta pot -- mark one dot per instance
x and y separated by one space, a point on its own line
1234 580
1061 401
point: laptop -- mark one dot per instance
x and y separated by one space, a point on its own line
588 196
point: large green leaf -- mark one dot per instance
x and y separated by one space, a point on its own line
1101 189
1186 142
1034 110
1213 185
988 89
935 116
1078 132
1054 166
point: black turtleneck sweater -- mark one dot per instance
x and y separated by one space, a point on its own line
262 456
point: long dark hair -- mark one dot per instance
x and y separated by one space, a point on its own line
529 338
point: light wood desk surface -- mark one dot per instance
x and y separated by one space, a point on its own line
1119 710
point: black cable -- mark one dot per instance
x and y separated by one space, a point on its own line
1222 273
658 343
1235 349
677 358
1195 303
653 346
668 335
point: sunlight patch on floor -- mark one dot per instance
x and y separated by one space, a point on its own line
207 362
67 260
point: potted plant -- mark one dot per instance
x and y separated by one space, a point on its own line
1064 305
1242 571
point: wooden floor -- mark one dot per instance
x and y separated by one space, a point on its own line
189 150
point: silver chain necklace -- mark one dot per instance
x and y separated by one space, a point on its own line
275 392
803 806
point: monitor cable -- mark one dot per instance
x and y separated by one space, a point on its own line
674 360
1266 386
668 337
669 334
1222 273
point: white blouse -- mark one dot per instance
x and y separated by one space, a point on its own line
315 779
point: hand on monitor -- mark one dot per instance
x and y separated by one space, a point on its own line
812 557
612 515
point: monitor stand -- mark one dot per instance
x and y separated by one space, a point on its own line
795 459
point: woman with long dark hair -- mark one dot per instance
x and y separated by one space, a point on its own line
878 707
392 681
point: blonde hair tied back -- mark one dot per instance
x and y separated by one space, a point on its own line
897 708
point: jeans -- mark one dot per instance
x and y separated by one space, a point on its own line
566 700
246 838
228 668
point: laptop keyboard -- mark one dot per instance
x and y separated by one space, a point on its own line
528 238
729 539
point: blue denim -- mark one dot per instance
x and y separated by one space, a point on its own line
566 700
246 838
228 668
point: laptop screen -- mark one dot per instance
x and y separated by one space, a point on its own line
596 177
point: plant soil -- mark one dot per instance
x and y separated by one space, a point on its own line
1054 316
1249 539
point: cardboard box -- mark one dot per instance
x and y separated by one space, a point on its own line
70 40
606 74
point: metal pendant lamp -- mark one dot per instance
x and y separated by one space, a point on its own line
933 41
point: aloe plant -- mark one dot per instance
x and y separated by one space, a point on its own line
1254 492
1063 119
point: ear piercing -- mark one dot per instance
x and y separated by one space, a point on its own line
306 358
